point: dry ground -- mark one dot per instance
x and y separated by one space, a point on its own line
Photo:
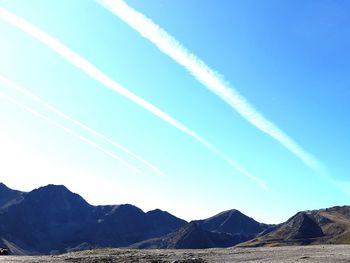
305 254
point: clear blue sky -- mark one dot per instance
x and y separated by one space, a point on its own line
289 59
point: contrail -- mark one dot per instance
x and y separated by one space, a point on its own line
80 124
205 75
101 77
71 132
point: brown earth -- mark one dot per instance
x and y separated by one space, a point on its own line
316 227
320 253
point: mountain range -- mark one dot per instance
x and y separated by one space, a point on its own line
52 219
324 226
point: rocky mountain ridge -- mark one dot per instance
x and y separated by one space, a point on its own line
52 219
324 226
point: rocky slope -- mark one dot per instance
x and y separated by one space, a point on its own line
52 218
325 226
225 229
9 196
192 236
233 222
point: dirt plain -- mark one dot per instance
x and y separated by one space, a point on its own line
321 253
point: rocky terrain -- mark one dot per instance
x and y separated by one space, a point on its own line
225 229
324 226
192 236
233 222
53 220
305 254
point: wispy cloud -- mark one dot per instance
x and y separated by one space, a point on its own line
53 109
205 75
70 131
108 82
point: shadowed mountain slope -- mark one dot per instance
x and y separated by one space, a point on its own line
222 230
9 196
163 222
52 218
325 226
192 236
232 222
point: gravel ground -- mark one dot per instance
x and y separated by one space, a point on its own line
325 253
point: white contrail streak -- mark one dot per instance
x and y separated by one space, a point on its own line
107 81
53 109
205 75
71 132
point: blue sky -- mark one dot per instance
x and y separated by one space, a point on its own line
289 60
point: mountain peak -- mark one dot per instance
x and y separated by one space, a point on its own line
231 212
56 198
3 187
191 236
159 213
303 225
55 191
233 222
307 227
54 187
8 196
156 211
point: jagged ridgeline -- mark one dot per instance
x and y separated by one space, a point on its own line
52 219
325 226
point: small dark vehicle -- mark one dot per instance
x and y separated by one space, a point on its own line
4 251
